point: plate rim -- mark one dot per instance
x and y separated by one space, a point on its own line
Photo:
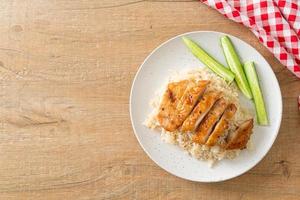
148 154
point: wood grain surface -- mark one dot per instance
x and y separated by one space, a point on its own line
66 68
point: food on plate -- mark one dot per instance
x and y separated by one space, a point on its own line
239 138
190 97
246 78
178 101
201 113
235 66
166 115
261 112
206 126
221 127
208 60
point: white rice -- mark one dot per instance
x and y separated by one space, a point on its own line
183 140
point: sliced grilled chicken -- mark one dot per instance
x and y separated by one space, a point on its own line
222 125
206 126
189 99
167 110
205 104
239 138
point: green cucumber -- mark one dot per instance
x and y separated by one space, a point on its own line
251 75
208 60
235 66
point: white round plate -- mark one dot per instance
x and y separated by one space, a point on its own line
173 55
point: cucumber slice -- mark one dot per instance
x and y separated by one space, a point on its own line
235 66
208 60
251 74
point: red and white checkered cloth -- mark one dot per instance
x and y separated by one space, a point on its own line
276 23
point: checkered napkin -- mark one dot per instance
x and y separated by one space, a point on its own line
276 23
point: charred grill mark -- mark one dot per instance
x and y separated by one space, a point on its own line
190 99
171 96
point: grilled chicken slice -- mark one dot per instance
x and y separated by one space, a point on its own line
222 125
189 99
209 121
167 110
239 138
178 101
205 104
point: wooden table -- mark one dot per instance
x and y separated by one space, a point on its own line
66 70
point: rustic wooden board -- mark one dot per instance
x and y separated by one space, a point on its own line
66 68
